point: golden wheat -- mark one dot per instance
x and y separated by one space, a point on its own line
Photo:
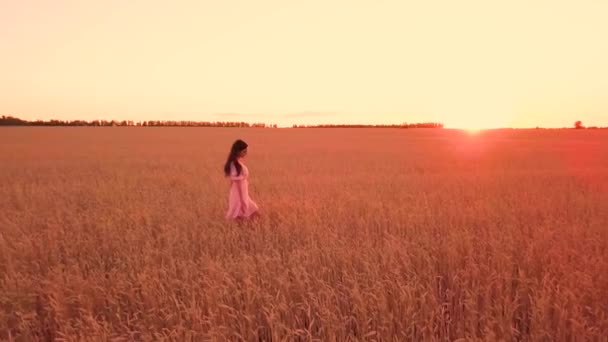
367 234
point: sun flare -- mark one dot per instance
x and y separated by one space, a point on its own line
473 131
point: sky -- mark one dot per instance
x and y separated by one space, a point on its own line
466 63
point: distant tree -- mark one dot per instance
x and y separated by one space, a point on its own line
579 125
11 121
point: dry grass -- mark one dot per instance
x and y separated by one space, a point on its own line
118 233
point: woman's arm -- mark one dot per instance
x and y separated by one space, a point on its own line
235 178
233 174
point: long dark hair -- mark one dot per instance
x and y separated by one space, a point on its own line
236 149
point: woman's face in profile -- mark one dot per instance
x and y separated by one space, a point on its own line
243 153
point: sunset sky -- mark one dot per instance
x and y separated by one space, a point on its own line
467 64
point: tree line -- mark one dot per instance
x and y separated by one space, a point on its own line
12 121
403 125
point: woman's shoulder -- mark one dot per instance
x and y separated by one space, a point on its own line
233 165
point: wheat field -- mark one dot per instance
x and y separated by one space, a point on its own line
118 234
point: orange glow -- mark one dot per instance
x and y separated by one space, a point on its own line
473 131
468 64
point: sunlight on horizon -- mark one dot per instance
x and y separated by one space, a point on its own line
472 64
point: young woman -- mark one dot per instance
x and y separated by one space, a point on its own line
240 205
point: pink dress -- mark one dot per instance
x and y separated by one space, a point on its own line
240 205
